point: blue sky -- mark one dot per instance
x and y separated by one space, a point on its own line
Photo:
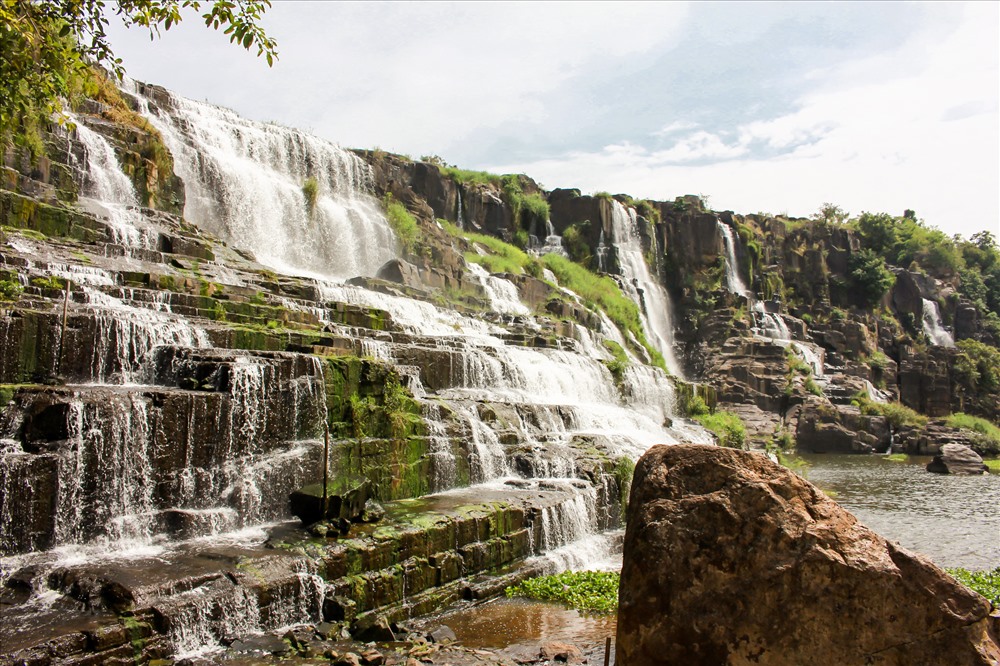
773 107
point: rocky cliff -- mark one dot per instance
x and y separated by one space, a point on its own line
203 315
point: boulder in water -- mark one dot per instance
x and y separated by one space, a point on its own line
732 559
956 459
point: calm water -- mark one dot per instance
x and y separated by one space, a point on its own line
954 520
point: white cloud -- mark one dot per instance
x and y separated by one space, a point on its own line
915 128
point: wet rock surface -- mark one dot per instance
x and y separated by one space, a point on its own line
730 558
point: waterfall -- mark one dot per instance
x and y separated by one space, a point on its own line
766 324
652 298
108 192
298 203
502 293
933 327
552 245
459 215
602 254
734 281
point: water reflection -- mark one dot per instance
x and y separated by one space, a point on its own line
506 622
954 520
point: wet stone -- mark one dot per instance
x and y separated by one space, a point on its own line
261 644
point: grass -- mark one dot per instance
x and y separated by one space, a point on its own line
897 457
993 465
727 427
619 362
602 292
502 257
986 583
594 591
987 433
896 414
404 224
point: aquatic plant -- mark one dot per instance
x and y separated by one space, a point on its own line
595 591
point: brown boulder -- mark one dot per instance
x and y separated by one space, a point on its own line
732 559
956 459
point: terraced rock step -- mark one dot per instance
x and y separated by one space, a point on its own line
425 554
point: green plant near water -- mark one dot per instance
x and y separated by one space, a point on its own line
594 591
10 290
896 414
501 257
987 433
728 427
602 292
310 190
619 362
624 471
402 222
986 583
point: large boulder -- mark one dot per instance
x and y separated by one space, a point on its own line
956 459
732 559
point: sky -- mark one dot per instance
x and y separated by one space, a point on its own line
760 107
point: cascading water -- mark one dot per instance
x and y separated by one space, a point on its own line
192 435
297 202
654 302
109 192
933 327
766 324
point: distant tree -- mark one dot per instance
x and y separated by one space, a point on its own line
831 214
44 44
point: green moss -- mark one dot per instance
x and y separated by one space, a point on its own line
619 362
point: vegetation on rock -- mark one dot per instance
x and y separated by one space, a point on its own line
727 427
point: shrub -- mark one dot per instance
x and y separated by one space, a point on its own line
10 290
987 439
619 361
727 427
898 415
869 278
310 190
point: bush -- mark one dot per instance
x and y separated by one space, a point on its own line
869 278
896 414
619 361
595 591
727 427
987 439
310 190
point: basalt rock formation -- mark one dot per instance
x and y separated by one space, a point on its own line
732 559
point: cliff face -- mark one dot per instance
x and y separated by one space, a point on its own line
799 330
198 318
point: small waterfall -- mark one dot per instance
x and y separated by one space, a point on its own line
552 245
109 192
766 324
502 293
459 215
933 327
298 203
126 335
602 254
734 281
653 300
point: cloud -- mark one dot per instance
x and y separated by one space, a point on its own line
915 127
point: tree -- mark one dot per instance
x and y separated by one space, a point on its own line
869 277
46 44
831 214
